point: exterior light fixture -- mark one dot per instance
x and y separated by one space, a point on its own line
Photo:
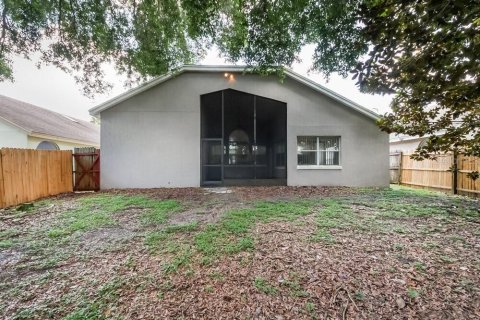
229 76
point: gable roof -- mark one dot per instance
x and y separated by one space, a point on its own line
38 121
199 68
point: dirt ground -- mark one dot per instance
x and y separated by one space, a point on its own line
242 253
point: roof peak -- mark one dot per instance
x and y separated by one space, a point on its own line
230 68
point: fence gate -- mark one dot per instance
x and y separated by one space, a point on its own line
395 167
86 169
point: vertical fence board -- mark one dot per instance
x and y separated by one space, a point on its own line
2 188
436 174
27 175
467 165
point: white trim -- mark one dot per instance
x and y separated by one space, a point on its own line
14 124
62 139
315 167
199 68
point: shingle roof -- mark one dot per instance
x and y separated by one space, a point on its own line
36 120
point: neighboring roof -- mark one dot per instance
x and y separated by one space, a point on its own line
38 121
198 68
394 138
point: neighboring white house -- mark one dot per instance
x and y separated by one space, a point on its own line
23 125
217 125
404 143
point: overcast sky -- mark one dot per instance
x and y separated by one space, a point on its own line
53 89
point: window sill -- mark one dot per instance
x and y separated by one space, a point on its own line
319 167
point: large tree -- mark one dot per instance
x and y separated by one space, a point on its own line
426 52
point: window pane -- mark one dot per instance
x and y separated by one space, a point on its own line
260 154
280 155
329 158
327 151
307 158
212 173
329 143
212 152
306 143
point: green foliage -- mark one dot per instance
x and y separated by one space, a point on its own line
310 307
412 293
154 240
95 309
181 228
419 266
181 258
293 284
229 235
5 244
332 214
6 236
426 51
97 211
359 296
423 51
148 38
159 210
262 285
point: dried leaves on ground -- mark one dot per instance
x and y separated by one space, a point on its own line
242 253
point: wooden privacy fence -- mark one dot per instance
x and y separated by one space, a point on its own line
26 174
436 174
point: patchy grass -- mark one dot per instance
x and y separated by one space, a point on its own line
294 287
230 235
298 253
5 244
262 285
98 307
158 210
180 228
98 211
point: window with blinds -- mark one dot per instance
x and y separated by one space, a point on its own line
318 151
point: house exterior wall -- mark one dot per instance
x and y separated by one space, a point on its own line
153 138
12 136
33 143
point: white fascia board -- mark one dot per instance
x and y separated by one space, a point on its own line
62 139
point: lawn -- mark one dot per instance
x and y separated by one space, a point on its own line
249 253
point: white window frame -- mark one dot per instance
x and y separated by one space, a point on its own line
318 165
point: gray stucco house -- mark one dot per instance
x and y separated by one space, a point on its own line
217 125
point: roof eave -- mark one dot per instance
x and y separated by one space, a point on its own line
95 111
156 81
64 139
332 94
15 125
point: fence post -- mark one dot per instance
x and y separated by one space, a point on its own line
2 187
400 168
454 172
